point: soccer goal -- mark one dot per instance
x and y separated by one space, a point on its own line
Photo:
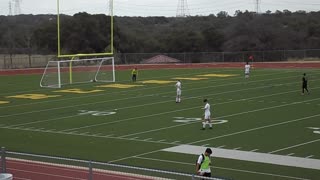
59 73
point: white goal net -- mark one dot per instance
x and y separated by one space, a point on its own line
59 73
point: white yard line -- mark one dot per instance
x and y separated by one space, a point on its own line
250 156
297 145
88 135
132 90
205 145
224 168
170 76
59 118
257 128
123 138
129 157
231 115
86 104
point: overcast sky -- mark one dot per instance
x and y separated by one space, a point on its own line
155 7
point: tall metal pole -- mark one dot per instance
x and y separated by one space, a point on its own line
257 6
182 9
10 8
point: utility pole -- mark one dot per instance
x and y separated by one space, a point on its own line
257 6
182 9
10 8
17 9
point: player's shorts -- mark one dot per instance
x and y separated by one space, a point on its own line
207 116
246 72
179 92
205 173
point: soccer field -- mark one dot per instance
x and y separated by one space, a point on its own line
263 127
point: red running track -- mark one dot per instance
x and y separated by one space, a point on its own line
31 170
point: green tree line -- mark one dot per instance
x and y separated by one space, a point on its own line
85 33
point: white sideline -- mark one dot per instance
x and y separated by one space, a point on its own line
250 156
225 168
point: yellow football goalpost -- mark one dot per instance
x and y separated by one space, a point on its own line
73 56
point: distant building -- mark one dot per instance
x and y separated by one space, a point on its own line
160 59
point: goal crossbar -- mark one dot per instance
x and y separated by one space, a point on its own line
64 72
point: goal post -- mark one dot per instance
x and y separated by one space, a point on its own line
102 28
66 72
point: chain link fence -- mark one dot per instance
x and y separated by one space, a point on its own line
39 61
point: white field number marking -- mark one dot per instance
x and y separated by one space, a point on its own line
316 130
95 113
189 120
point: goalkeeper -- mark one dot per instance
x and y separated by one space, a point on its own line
134 74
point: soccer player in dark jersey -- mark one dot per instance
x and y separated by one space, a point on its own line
304 83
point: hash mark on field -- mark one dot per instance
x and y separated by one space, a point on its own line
148 139
109 135
237 148
254 150
162 140
298 145
309 156
221 146
290 154
205 145
175 142
134 138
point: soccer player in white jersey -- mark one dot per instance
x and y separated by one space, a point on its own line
247 70
207 115
178 86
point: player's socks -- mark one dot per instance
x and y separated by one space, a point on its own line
203 125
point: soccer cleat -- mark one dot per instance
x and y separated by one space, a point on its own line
202 129
210 127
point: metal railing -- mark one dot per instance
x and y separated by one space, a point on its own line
23 163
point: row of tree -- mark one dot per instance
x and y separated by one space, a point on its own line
85 33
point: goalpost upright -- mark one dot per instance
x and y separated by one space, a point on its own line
73 56
60 55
